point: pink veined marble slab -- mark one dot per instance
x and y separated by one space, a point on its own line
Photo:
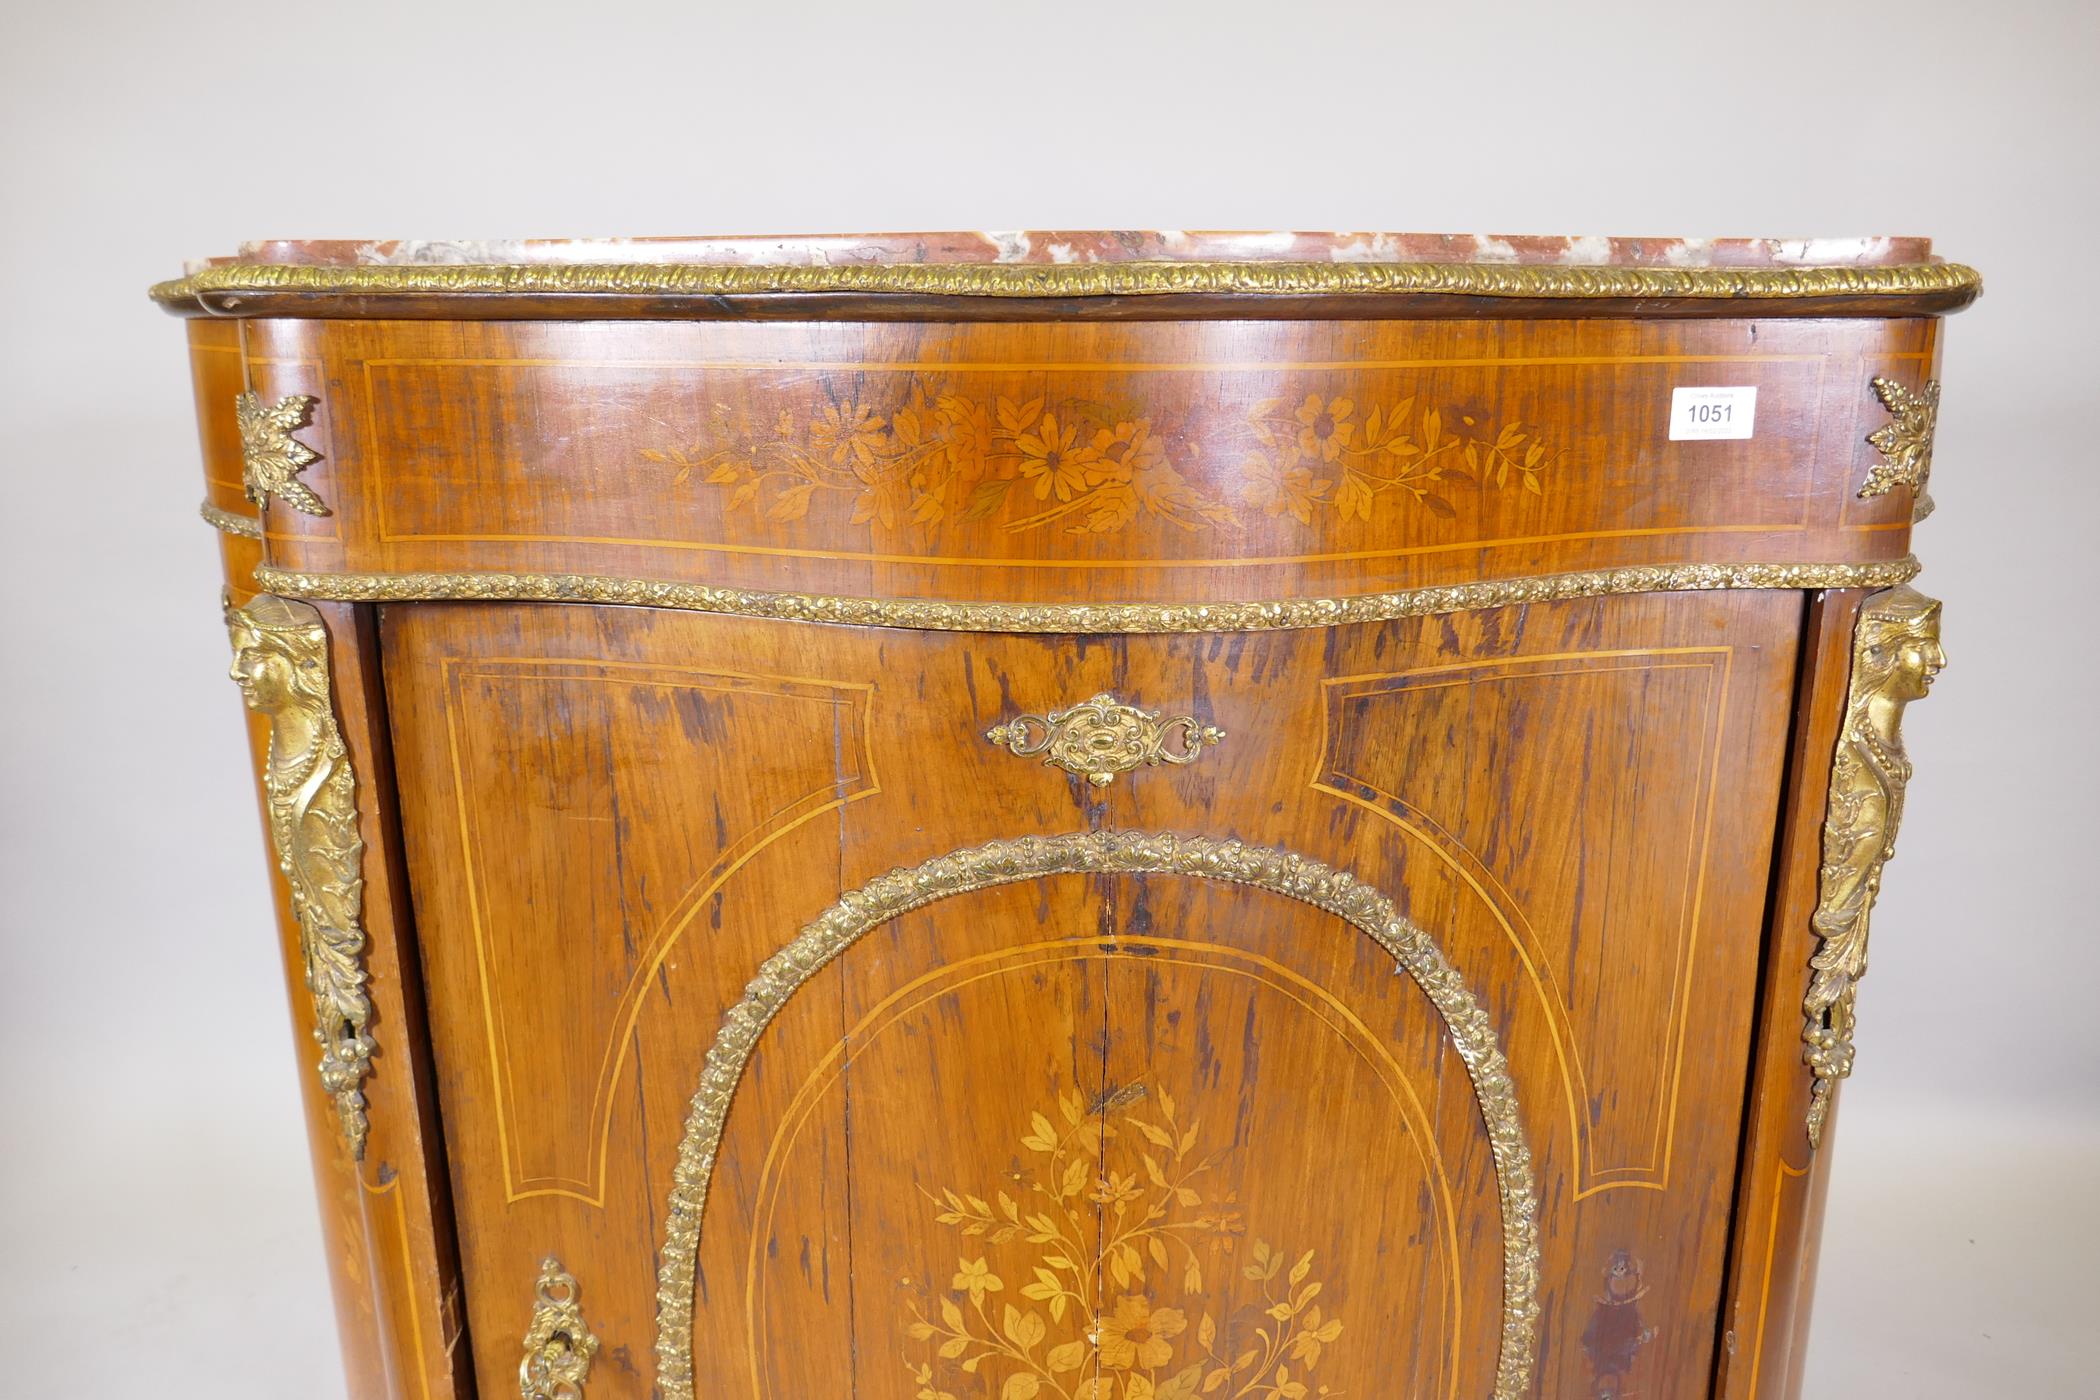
1045 247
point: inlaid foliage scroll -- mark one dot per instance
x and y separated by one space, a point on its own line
935 453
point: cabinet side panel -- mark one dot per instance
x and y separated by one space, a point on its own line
387 1232
407 1203
1781 1181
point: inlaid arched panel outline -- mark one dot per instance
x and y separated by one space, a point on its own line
1281 872
1509 918
947 978
841 740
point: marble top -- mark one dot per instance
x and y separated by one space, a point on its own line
1046 247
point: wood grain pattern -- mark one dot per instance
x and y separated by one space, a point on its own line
1588 739
1674 701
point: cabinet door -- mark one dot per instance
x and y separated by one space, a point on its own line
1393 1046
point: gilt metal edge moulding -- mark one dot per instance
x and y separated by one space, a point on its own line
1468 1023
230 522
218 288
280 661
937 616
1896 653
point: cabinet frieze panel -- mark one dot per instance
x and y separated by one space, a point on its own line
1124 462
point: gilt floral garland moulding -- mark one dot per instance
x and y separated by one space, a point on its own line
679 595
1099 618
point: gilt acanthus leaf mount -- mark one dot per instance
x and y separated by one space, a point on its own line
271 458
1905 443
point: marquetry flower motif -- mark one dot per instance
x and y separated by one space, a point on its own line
1054 459
975 1277
932 458
1322 456
1136 1336
846 433
1111 1222
271 458
1905 443
1325 427
1275 486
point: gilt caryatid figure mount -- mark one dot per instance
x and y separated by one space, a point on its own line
280 661
1074 816
1895 655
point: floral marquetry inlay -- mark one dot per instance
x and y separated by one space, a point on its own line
932 456
1141 1321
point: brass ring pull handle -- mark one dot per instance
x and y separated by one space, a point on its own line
1102 737
558 1347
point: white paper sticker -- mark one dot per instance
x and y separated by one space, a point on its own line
1697 414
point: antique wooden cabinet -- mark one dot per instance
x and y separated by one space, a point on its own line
1096 816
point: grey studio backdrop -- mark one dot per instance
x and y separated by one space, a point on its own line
156 1221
